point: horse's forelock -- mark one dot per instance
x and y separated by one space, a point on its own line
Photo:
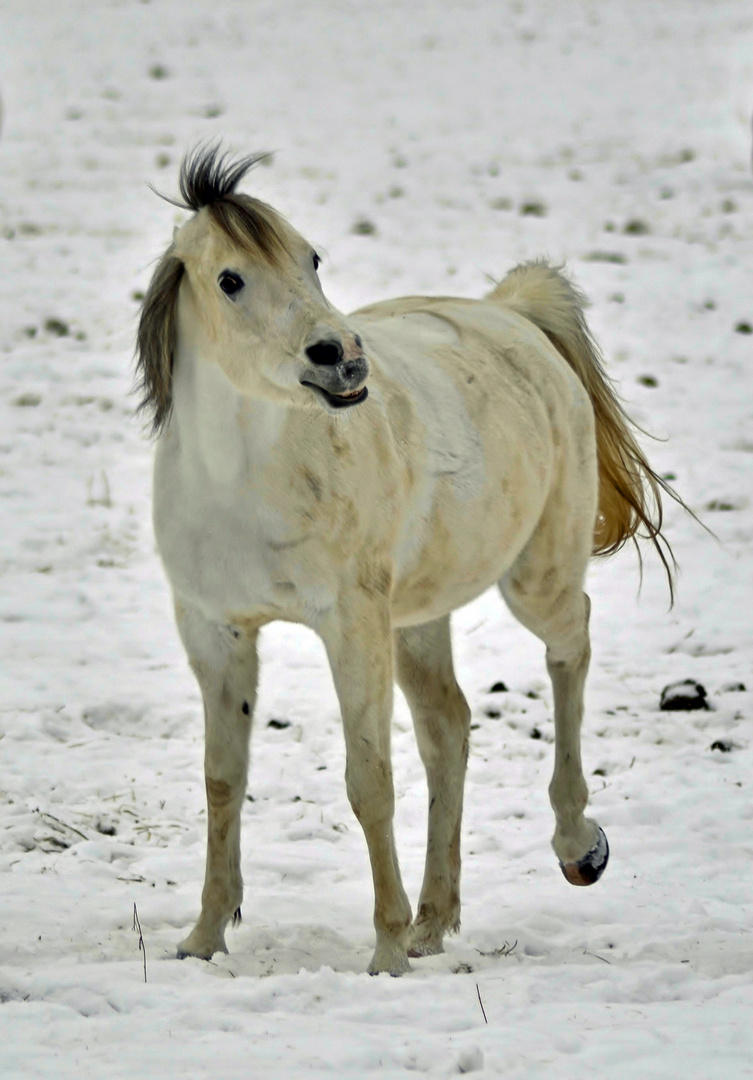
252 225
208 175
208 180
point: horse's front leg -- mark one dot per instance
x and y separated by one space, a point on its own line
226 668
359 645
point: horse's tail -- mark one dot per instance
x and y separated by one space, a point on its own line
630 492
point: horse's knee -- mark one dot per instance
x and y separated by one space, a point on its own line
370 790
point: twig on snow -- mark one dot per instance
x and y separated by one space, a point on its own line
483 1010
596 956
142 946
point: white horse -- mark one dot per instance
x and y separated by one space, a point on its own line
365 475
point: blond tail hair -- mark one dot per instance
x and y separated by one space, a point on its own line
630 492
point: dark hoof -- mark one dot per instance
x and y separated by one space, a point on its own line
593 864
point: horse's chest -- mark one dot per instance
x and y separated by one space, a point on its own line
234 552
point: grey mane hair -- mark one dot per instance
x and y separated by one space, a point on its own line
208 179
155 341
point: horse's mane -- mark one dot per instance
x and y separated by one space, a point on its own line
208 179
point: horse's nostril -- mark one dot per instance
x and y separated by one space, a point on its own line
325 352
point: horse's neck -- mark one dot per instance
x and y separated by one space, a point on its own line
222 433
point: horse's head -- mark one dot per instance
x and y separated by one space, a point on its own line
239 287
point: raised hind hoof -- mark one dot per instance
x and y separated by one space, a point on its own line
593 864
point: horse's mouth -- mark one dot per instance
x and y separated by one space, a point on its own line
339 401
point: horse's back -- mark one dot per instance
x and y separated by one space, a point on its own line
480 367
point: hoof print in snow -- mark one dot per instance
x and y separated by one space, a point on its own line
470 1060
683 697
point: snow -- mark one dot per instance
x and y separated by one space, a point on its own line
624 132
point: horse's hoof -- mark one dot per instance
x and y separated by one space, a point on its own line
389 960
593 864
199 947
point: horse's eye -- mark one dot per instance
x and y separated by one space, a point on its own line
230 283
317 261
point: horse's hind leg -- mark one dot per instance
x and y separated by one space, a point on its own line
544 590
226 669
442 721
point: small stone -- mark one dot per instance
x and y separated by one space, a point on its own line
364 227
533 208
498 688
722 504
57 327
683 696
722 744
279 725
606 257
744 328
28 400
636 227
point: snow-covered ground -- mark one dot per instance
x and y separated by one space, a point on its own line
469 135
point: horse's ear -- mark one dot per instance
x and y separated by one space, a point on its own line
155 341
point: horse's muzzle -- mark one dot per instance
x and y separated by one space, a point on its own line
339 385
